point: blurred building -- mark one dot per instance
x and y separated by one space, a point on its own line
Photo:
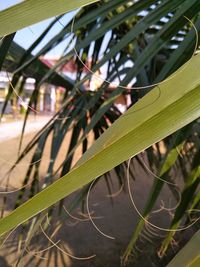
50 96
5 79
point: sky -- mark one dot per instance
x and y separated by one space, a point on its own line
26 36
6 3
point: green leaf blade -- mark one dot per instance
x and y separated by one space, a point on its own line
24 14
144 124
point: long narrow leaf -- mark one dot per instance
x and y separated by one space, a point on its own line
30 11
189 255
147 122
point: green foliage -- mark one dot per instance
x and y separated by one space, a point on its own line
138 44
130 131
189 255
24 13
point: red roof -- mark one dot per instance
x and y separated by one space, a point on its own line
70 65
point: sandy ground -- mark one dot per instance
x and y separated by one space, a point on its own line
116 218
13 129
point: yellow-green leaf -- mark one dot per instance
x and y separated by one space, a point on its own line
189 256
29 12
161 112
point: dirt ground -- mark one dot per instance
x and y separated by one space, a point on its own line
115 217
